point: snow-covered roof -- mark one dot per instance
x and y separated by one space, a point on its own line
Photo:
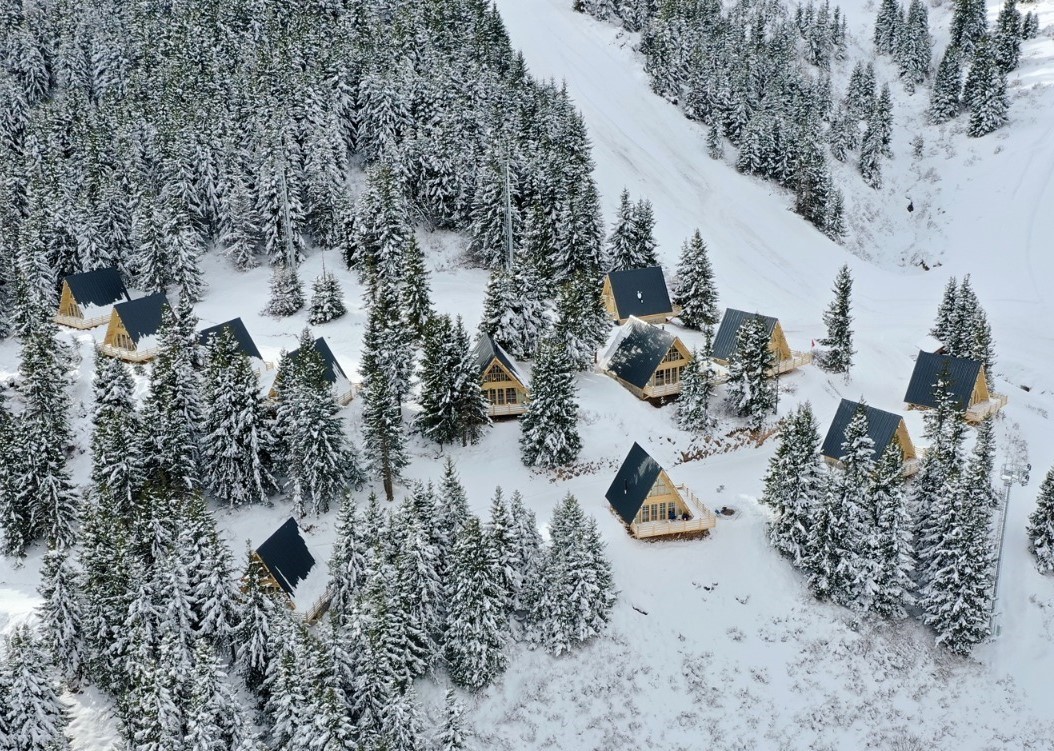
142 317
962 376
487 350
287 558
333 369
241 336
881 427
636 351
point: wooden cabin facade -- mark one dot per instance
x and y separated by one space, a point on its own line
650 505
133 329
503 383
291 572
967 384
884 429
648 360
726 342
638 293
87 300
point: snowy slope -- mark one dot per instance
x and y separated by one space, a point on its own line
716 643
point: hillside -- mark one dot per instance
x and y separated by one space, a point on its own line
718 642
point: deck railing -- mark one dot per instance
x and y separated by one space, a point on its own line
319 608
501 410
981 410
667 389
75 322
702 519
796 360
137 356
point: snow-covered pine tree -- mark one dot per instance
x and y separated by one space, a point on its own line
415 291
471 402
915 46
384 434
319 463
14 518
62 617
697 391
287 292
794 485
451 508
215 718
526 542
942 327
452 735
1030 26
1041 526
838 319
643 236
44 492
347 562
959 337
715 148
288 685
35 717
235 442
498 534
418 596
969 25
549 428
620 249
238 225
751 394
985 93
117 462
887 27
955 597
514 311
946 95
172 411
440 376
581 321
842 540
859 99
254 644
382 231
696 292
477 624
940 467
892 552
489 223
870 163
327 299
183 248
575 604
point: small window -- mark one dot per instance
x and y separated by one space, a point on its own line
510 396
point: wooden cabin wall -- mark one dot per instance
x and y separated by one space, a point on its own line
117 335
662 492
608 296
904 440
778 343
497 376
68 304
980 389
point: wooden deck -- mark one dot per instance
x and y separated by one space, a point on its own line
505 410
703 519
796 360
76 322
132 356
981 410
667 389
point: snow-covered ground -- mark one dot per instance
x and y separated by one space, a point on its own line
716 642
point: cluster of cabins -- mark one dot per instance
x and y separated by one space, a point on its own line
644 357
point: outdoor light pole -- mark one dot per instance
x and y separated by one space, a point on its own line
1013 472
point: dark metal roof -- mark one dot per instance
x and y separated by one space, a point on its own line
286 556
631 485
881 427
241 335
487 350
97 288
142 316
640 292
962 375
727 338
333 368
638 351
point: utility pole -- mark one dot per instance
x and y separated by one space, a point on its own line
1013 472
508 212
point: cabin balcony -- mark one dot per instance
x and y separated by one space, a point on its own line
978 412
702 520
345 398
505 410
129 355
795 361
667 389
78 322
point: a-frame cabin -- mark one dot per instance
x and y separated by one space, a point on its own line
637 293
503 383
648 360
343 390
245 343
134 325
87 299
291 571
884 429
967 385
650 505
726 342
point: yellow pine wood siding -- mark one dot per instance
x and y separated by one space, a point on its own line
666 380
70 313
118 343
506 395
608 296
653 519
